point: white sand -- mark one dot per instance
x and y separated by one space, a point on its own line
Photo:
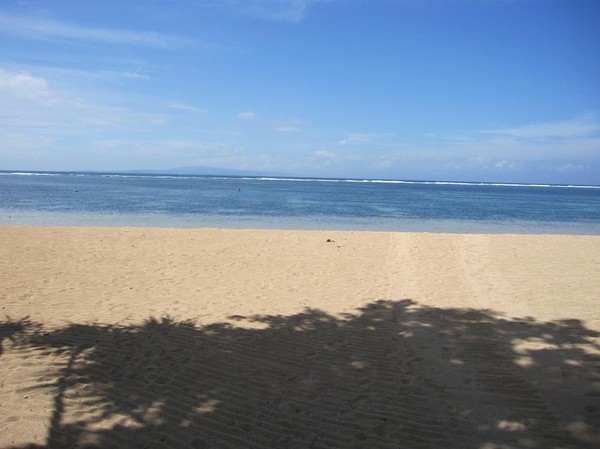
230 338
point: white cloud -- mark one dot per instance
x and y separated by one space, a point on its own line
568 145
383 164
30 101
579 127
24 85
247 115
17 121
42 28
291 127
506 165
570 168
273 10
363 138
76 76
184 107
329 156
128 75
565 140
322 154
287 129
530 150
166 147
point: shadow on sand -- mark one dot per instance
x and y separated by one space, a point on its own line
9 329
393 375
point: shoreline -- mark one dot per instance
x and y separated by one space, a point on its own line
191 337
441 226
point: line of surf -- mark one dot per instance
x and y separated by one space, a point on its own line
292 179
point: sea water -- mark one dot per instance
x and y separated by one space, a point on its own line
113 199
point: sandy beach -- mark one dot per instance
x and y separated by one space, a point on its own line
216 338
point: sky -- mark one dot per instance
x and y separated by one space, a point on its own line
464 90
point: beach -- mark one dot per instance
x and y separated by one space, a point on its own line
148 337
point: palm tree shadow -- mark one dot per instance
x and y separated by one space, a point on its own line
10 329
392 375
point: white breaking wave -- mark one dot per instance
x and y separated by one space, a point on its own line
451 183
18 173
287 179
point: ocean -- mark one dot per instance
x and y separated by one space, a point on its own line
184 201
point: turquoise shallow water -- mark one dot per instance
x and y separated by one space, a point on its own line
109 199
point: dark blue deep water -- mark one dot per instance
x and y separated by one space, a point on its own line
105 199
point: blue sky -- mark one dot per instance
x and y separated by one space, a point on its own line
474 90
